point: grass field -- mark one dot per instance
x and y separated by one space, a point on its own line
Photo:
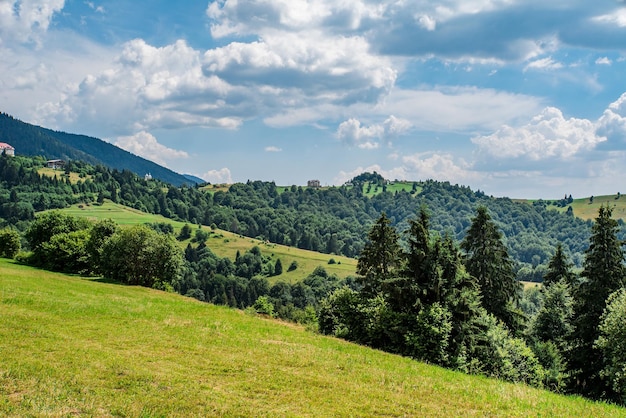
45 171
226 244
585 209
77 347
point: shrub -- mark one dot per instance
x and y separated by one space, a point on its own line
10 243
293 266
264 306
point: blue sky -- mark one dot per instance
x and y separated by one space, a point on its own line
518 98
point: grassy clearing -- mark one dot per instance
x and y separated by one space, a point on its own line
585 209
212 188
52 173
77 347
226 244
373 189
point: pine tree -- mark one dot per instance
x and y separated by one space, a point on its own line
487 259
380 258
415 285
278 268
603 273
559 268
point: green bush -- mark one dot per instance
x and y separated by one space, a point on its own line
10 243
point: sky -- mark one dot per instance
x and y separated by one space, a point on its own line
516 98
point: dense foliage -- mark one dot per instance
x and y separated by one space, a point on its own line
418 291
33 140
332 220
464 311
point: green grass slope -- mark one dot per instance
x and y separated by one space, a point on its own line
77 347
226 244
586 209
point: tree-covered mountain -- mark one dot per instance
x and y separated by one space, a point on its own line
33 140
331 220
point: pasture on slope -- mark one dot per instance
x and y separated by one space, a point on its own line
226 244
73 346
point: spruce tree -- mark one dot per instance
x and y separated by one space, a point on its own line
559 268
380 258
603 273
487 259
416 283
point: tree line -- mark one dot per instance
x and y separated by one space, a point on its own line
460 306
331 220
150 255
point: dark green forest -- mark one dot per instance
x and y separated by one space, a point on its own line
31 140
437 279
333 220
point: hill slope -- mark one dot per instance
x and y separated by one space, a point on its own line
33 140
70 346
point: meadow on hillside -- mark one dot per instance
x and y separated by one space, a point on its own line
77 347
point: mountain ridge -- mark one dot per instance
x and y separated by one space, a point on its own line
32 140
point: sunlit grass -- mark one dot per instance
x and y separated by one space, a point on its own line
76 347
226 244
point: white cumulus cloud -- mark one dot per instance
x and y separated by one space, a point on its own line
612 123
548 135
272 148
352 133
26 20
218 176
146 145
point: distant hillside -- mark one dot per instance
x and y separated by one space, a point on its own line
33 140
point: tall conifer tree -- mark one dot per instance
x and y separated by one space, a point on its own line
603 273
559 268
380 258
487 259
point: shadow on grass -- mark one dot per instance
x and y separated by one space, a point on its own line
106 280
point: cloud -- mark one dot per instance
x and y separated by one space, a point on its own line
147 88
26 20
427 22
304 67
544 64
616 17
603 61
92 6
456 109
351 132
232 17
146 145
272 148
218 176
547 136
612 123
420 166
440 166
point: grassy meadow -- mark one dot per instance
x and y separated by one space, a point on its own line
76 347
60 174
585 209
226 244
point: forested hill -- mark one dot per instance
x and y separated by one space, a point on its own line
331 220
33 140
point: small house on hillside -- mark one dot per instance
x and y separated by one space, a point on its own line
6 149
55 164
313 183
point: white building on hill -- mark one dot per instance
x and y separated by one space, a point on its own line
7 149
